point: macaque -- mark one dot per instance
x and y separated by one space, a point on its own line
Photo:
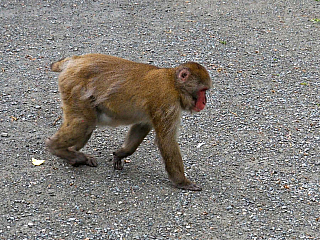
98 89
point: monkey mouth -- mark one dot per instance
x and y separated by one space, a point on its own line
200 100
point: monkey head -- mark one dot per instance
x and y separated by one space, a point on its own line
193 81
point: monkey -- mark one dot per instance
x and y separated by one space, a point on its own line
99 90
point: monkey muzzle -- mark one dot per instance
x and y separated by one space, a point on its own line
200 101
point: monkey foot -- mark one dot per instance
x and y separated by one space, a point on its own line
190 186
83 159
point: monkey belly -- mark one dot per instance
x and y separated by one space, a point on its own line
107 120
104 119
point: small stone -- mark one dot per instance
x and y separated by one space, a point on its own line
229 207
4 134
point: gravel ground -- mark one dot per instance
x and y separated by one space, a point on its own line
254 150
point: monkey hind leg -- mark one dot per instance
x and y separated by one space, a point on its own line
67 142
134 138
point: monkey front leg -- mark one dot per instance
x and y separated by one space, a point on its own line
171 155
134 138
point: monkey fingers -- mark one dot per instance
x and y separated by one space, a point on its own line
117 163
191 186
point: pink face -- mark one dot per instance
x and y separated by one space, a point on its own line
201 100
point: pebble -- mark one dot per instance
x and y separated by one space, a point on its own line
4 134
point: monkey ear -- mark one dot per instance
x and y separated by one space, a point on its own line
183 74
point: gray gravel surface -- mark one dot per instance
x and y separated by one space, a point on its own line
254 150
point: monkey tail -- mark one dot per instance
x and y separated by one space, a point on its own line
59 65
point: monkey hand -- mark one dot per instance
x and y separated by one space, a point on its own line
189 186
117 163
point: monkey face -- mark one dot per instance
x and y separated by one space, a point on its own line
193 81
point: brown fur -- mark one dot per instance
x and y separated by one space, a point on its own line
99 89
